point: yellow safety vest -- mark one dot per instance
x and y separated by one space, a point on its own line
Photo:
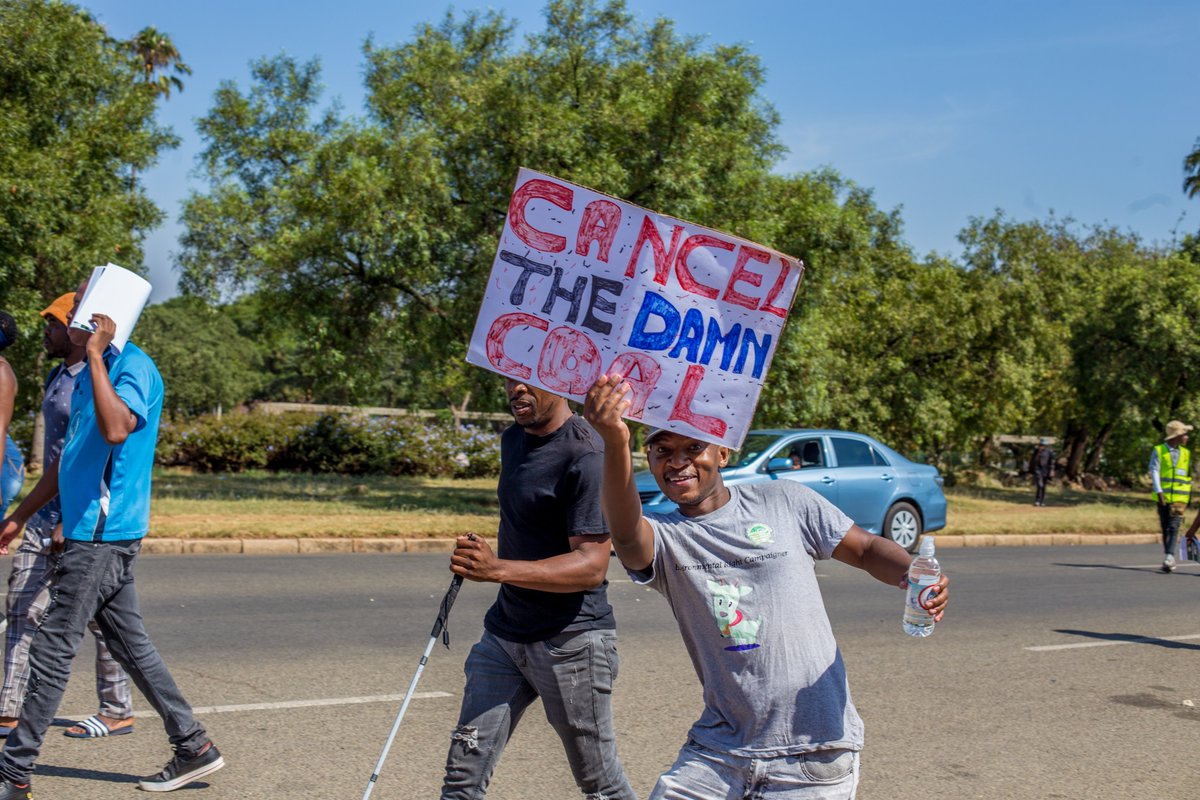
1175 479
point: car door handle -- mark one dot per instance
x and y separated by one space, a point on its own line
886 477
826 479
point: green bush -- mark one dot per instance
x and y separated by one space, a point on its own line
347 445
231 443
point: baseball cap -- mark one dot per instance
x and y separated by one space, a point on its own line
60 309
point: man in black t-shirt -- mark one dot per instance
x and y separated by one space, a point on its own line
551 632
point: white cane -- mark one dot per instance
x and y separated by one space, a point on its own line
439 626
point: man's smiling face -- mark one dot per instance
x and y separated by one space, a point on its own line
688 471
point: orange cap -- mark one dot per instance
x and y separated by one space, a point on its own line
60 309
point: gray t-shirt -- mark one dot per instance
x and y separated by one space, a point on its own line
742 584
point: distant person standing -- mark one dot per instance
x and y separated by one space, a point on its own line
32 578
12 463
1041 465
1171 477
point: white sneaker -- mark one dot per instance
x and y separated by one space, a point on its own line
1168 564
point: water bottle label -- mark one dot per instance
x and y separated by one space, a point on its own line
921 593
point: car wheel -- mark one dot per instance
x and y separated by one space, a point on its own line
903 526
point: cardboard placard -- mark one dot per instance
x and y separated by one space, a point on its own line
585 284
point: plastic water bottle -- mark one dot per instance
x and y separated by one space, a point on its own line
922 576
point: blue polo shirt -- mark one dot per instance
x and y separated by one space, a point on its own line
105 490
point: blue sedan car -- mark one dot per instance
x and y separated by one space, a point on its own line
881 490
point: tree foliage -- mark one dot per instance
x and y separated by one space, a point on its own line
382 230
358 246
73 123
1191 171
206 362
156 53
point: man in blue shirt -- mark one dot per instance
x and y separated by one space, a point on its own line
104 485
33 567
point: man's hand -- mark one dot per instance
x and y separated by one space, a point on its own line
603 407
102 337
474 560
939 598
57 540
9 529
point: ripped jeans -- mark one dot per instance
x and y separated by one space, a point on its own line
573 673
94 580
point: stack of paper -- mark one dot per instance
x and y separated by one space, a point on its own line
117 293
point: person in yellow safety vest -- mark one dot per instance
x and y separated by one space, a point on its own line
1171 476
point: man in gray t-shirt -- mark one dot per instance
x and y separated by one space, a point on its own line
736 564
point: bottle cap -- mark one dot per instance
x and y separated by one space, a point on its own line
926 546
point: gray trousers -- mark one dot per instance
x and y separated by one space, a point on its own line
573 673
29 586
94 580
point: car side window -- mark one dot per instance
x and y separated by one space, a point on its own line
852 453
880 461
803 453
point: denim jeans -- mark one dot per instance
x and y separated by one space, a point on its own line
573 673
29 586
12 472
94 580
1170 527
700 773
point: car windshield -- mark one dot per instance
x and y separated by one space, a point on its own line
752 448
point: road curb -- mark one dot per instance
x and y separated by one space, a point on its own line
304 546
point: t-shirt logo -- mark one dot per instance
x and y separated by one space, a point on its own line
760 534
724 599
73 426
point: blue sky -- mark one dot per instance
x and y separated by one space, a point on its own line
948 109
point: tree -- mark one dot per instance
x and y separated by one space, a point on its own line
1191 171
73 120
381 232
155 51
207 364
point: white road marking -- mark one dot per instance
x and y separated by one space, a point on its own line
1157 565
286 704
1138 640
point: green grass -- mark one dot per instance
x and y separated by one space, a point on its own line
1011 511
268 505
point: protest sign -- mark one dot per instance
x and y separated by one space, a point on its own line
117 293
584 284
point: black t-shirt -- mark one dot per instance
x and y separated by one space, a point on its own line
549 491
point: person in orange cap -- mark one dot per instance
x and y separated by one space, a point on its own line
31 579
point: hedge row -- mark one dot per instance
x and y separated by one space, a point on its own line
348 445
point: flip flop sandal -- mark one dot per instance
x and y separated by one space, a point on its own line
5 730
94 728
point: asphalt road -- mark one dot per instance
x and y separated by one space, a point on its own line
298 664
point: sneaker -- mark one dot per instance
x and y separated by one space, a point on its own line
181 770
13 791
1168 564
